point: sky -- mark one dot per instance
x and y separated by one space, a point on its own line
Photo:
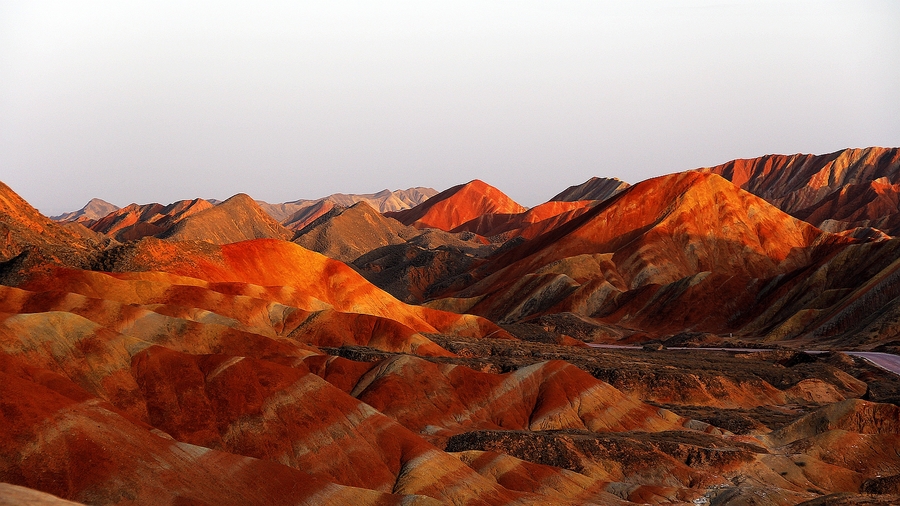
160 101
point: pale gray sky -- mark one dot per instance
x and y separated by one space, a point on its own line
142 102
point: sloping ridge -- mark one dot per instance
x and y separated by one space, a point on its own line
457 205
687 222
595 188
384 201
135 221
797 182
294 272
23 227
528 224
873 205
300 219
237 219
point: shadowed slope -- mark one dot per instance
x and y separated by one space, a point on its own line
300 219
595 188
237 219
352 232
874 205
402 260
455 206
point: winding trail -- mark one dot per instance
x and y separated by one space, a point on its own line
887 361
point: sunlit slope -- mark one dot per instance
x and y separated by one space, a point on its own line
672 244
837 191
457 205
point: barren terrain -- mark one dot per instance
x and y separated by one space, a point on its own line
699 338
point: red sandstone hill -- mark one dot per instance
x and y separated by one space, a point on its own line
136 221
527 224
799 184
668 245
300 219
25 230
482 209
455 206
291 275
197 369
237 219
186 372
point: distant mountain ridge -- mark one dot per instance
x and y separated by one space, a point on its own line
136 221
383 201
92 211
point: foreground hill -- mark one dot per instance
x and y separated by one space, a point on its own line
837 191
183 388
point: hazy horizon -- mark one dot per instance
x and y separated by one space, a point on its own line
160 102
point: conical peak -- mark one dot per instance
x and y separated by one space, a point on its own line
457 205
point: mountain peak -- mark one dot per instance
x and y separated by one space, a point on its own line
457 205
92 211
237 219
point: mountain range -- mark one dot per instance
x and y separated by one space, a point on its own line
617 344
